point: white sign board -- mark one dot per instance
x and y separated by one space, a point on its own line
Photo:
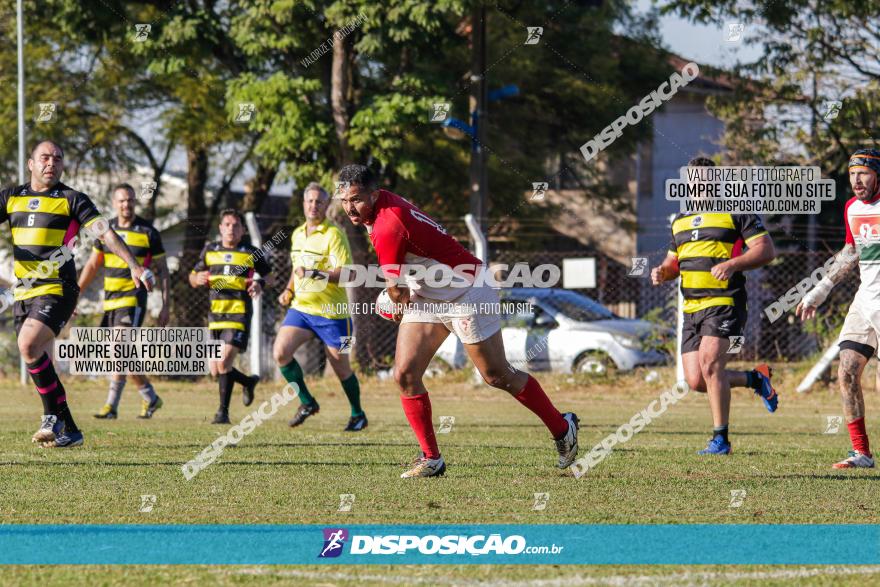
579 273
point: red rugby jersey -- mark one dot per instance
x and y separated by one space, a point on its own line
403 234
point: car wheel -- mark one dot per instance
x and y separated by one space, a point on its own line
595 364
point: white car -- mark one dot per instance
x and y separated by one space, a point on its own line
560 330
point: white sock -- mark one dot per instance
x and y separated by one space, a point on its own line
115 393
148 393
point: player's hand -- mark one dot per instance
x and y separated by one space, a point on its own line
254 289
805 311
402 302
143 277
722 271
299 272
397 317
659 275
285 297
202 278
814 298
164 316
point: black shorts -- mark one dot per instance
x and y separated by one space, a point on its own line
128 317
53 311
233 336
718 321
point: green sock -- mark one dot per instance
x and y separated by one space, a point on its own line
294 374
352 390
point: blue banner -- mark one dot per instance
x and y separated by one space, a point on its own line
446 544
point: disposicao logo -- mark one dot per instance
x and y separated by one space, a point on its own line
334 539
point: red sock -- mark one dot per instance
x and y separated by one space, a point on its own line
533 397
859 436
418 411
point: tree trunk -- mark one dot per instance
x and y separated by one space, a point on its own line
366 348
340 94
190 306
150 213
257 188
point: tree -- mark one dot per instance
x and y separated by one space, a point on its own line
815 54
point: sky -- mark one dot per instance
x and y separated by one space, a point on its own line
701 43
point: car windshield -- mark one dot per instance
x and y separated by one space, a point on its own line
578 307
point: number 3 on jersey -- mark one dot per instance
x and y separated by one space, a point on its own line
695 235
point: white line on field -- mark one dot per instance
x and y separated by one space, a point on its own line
685 579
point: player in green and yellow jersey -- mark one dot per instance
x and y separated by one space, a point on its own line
125 304
707 251
318 306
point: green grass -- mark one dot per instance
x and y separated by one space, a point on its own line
498 454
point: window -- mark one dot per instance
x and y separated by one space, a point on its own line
578 307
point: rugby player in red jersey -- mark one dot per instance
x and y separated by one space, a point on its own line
404 235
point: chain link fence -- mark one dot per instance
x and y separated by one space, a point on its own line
785 339
628 296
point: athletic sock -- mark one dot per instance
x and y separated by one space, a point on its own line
721 431
294 374
418 412
352 389
148 393
46 382
225 384
64 413
239 377
115 393
533 397
752 379
859 436
51 391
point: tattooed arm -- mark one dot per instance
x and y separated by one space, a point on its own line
845 261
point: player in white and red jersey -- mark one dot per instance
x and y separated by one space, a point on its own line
858 338
404 235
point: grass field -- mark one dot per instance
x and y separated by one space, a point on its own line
498 455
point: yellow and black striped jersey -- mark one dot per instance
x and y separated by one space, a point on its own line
144 242
42 223
232 269
701 241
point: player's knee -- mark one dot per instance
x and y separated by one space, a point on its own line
497 377
28 350
407 379
281 354
711 368
695 382
847 376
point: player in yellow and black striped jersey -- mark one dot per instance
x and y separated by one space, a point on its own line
709 252
125 304
235 273
46 217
